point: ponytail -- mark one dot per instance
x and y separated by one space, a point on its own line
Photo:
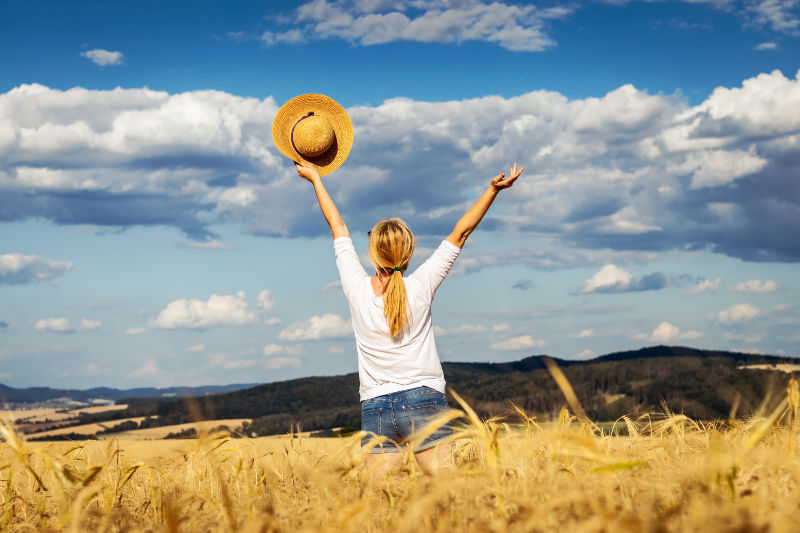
391 245
395 303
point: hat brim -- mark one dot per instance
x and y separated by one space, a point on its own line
299 106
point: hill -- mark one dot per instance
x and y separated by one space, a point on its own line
35 395
703 384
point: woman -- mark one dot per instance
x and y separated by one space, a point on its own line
401 381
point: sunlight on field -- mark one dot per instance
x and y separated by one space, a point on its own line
85 429
162 431
55 414
668 474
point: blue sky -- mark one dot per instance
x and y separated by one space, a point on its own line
151 234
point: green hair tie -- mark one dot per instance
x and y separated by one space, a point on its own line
396 269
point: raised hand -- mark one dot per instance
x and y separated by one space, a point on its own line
307 171
500 181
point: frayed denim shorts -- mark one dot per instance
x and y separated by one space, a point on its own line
397 415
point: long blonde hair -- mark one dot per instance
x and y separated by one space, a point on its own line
391 245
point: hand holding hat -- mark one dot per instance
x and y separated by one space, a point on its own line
313 129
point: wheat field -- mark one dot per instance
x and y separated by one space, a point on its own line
668 473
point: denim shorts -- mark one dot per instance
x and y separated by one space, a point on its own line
397 415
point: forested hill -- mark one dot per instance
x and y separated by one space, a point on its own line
45 394
702 384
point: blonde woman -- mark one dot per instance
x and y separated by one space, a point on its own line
401 381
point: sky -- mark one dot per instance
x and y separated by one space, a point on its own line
152 235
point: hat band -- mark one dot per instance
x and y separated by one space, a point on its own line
291 135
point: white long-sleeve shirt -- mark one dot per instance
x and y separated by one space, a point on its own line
389 364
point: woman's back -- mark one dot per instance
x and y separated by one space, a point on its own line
389 364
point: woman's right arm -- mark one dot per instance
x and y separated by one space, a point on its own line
329 210
470 220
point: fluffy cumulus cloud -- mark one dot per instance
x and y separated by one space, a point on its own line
514 26
610 179
612 278
104 58
265 300
230 309
666 332
317 327
755 285
779 15
274 349
518 343
64 325
132 156
20 269
737 314
705 285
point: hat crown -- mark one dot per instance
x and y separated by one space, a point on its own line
312 135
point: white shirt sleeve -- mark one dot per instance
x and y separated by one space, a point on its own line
350 268
432 272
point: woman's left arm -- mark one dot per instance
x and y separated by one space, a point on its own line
329 210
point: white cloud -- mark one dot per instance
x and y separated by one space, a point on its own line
196 348
519 27
462 330
755 285
666 332
586 333
777 14
210 245
218 310
332 285
518 343
317 327
136 331
274 349
59 325
612 278
17 269
705 285
500 327
611 179
767 46
88 324
265 300
102 57
712 168
63 325
272 321
737 314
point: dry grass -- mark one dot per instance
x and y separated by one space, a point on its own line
669 474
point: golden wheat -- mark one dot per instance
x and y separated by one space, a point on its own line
669 473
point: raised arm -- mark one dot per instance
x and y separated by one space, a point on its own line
470 220
329 211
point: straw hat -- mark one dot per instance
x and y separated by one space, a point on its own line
314 128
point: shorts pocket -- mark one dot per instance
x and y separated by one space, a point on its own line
371 420
419 415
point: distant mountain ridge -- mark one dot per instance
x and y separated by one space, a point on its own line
44 394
